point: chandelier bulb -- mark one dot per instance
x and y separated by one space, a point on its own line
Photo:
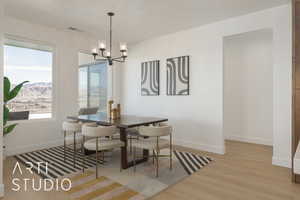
102 45
94 51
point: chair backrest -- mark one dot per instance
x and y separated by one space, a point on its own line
71 126
99 131
23 115
155 131
88 111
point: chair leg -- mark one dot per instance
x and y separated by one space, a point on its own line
134 162
130 144
153 154
121 162
157 156
83 154
64 146
74 155
96 158
171 152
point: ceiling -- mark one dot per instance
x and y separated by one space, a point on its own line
135 20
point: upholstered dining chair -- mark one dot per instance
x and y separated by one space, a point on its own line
154 142
102 140
72 135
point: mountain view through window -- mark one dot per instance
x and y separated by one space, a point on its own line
33 64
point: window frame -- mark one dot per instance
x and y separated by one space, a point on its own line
54 75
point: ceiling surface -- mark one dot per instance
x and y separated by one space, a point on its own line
135 20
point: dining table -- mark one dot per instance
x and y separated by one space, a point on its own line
123 123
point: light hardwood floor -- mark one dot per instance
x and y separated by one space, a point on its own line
244 172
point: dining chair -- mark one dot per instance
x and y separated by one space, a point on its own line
72 135
102 140
154 142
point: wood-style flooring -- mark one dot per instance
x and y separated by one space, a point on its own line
245 172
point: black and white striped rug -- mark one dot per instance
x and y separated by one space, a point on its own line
56 166
191 162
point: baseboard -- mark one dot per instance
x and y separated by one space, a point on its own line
1 190
249 140
202 147
34 147
282 162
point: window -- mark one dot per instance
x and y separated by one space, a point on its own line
26 61
92 84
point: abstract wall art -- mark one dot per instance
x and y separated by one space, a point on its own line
178 76
150 78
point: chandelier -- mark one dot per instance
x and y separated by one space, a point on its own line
102 52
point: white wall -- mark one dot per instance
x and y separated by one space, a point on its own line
35 134
248 87
84 58
1 96
198 118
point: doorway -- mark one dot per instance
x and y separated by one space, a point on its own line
248 87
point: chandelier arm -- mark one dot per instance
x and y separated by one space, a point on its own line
120 61
117 60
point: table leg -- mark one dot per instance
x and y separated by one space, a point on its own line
124 159
123 137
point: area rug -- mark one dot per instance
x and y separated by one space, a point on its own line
57 167
113 183
86 186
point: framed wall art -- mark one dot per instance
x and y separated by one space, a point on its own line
178 80
150 78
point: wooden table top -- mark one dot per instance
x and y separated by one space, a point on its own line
126 121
